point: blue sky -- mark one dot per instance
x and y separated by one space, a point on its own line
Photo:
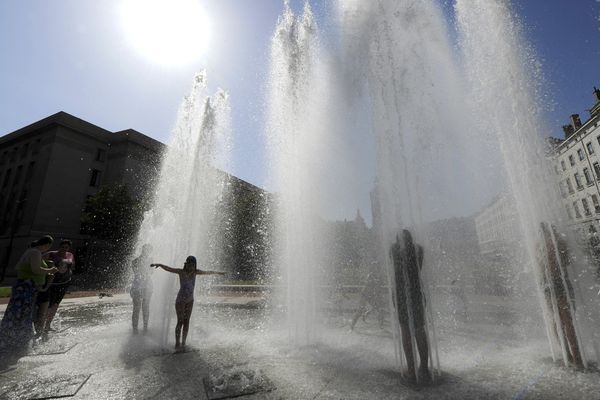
71 55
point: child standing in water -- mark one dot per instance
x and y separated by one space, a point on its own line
185 297
141 288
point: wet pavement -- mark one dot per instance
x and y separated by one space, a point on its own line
238 350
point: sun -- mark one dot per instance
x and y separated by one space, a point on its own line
168 32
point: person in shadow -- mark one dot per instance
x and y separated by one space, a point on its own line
553 260
407 258
16 328
185 297
141 288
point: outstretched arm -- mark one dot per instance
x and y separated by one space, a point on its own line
200 272
166 268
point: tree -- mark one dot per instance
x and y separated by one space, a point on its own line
111 217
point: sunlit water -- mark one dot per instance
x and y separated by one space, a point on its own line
448 122
183 218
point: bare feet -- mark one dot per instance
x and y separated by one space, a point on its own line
424 376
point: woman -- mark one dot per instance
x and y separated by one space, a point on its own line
141 288
16 329
185 298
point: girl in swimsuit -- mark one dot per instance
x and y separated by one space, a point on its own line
185 297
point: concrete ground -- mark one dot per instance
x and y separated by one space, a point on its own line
238 348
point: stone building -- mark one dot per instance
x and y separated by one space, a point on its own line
577 165
497 227
50 167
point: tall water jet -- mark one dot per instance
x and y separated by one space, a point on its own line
413 84
183 218
440 120
505 94
294 136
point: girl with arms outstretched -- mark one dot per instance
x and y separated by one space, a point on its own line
185 297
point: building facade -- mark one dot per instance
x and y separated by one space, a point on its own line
497 227
577 165
49 168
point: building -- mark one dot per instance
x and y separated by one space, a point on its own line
497 227
577 165
49 168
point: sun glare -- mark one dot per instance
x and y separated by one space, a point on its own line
168 32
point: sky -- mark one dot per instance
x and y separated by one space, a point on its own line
75 56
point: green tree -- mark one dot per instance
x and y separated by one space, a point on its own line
111 217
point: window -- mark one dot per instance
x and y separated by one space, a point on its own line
36 146
596 203
6 179
29 173
576 208
24 150
17 179
570 186
13 154
598 139
590 148
571 160
588 176
597 170
586 207
95 178
563 166
100 155
580 154
4 158
561 186
578 180
569 212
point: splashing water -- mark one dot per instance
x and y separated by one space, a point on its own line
293 135
182 221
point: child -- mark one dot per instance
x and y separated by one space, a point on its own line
141 288
185 298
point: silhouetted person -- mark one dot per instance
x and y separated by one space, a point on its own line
554 260
141 288
184 303
410 302
64 260
16 328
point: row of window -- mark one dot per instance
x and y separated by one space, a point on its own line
18 172
587 174
20 152
585 208
580 154
11 205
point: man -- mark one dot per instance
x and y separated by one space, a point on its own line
65 261
558 290
407 258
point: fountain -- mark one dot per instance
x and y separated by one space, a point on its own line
188 191
452 128
444 124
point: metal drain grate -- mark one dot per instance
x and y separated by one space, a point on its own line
47 350
236 381
47 388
